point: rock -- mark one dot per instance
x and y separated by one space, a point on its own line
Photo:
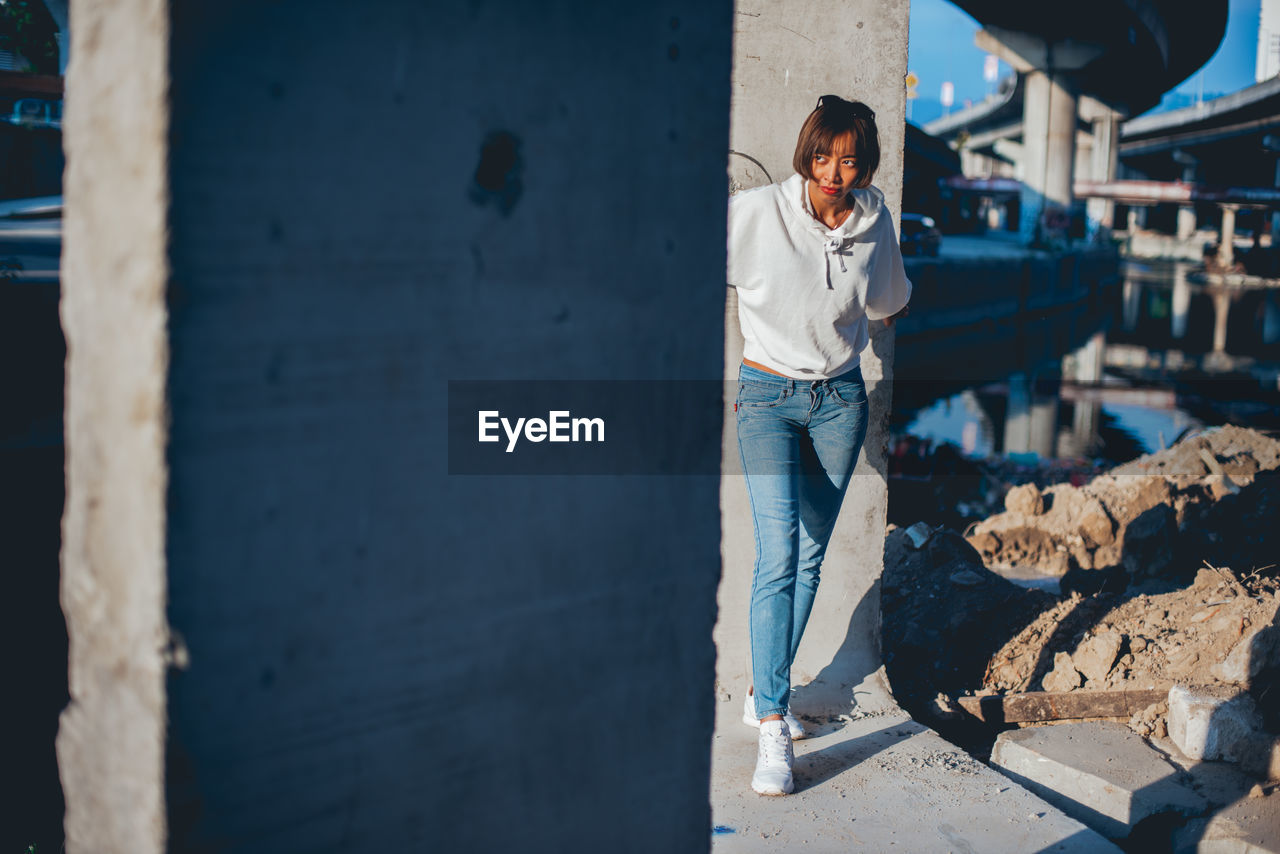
1213 723
1255 653
1095 524
919 534
1064 676
966 578
1137 644
1149 541
1025 499
1096 655
946 546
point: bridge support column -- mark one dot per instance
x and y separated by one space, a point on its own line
1049 140
1227 238
1105 155
1186 222
1221 311
1181 302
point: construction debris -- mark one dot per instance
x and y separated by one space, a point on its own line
1044 706
1196 497
1165 564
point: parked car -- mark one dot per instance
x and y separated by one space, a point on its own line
920 236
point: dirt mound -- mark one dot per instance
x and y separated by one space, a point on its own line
1148 535
1221 629
944 615
1157 516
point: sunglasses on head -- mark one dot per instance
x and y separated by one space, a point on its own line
859 110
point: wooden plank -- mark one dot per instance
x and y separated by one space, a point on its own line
1049 706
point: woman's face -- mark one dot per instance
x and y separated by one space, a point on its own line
836 171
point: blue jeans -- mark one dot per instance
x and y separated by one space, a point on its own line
799 442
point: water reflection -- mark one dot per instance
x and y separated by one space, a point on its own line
1175 352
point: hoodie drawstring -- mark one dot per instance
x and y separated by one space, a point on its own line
833 248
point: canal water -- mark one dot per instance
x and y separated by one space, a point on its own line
1174 354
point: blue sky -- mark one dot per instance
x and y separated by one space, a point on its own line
941 49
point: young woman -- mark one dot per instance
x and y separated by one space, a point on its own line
813 258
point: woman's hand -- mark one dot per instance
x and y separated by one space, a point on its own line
906 309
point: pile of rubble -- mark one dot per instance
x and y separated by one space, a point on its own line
1165 568
1196 499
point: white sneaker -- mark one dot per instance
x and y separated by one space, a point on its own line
773 761
749 718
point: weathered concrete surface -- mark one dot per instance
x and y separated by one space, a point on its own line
111 737
367 204
1213 722
786 55
882 782
1101 773
1249 826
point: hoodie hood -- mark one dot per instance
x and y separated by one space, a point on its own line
868 204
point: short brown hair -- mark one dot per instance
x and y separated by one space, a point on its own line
831 119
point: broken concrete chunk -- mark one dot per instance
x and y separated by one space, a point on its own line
1257 652
919 534
1213 723
1094 522
1025 499
1099 773
1064 676
1096 655
1149 541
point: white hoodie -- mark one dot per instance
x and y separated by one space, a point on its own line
805 292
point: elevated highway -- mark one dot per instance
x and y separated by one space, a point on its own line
1081 69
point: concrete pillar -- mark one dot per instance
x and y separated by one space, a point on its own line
1105 157
1271 317
1186 222
1221 311
785 56
1227 238
1017 421
1180 309
1044 425
1088 360
293 627
1130 304
1049 138
111 737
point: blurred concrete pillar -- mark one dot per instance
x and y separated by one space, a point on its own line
1105 158
1130 304
1180 308
1271 317
293 627
1088 359
1227 237
1049 138
1186 221
1017 420
111 737
1221 312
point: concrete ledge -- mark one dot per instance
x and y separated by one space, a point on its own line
1101 774
1249 826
